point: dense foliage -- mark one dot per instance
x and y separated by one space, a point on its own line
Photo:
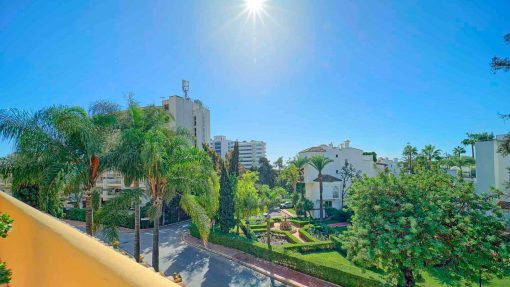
226 209
405 224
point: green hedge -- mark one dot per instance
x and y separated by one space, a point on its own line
337 242
290 259
311 246
299 222
77 214
307 236
290 237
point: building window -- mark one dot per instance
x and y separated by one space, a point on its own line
328 203
166 107
336 155
337 171
336 192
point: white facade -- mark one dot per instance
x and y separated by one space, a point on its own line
250 152
492 170
332 187
192 115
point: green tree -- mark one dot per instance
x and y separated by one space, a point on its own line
5 227
472 138
227 208
501 63
347 174
300 162
267 174
319 162
126 155
431 153
410 152
278 163
233 161
60 148
246 197
405 224
458 151
215 158
290 174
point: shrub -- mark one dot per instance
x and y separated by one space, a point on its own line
286 225
311 246
290 259
300 222
343 215
77 214
306 235
291 238
338 243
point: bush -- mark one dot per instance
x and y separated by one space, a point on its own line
286 225
343 215
311 246
306 235
291 238
77 214
338 243
300 222
290 259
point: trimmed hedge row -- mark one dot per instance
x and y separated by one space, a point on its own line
290 237
308 237
290 259
299 223
311 246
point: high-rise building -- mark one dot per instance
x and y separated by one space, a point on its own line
250 152
190 114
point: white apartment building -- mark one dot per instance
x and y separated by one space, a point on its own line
332 186
492 170
192 115
250 152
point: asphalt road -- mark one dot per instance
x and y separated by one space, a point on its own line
197 267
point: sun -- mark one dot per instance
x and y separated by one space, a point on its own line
254 7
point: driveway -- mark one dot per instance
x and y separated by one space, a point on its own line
197 267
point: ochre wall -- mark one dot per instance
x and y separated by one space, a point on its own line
43 251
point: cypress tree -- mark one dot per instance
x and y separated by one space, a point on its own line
226 208
233 163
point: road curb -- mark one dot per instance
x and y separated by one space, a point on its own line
263 271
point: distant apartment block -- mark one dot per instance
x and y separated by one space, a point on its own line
492 170
190 114
250 152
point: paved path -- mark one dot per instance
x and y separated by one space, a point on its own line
292 277
197 266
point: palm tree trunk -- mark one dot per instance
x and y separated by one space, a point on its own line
473 151
136 250
155 237
88 212
320 198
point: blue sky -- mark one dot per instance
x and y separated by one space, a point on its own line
380 73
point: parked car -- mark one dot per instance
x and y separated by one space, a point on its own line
286 205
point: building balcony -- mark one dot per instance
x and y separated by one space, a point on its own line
43 251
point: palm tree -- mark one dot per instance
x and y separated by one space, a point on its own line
458 151
300 163
173 167
410 152
430 152
61 146
126 157
472 138
319 162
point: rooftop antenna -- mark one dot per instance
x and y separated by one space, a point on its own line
185 88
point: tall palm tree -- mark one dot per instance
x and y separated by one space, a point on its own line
126 157
458 151
173 167
319 162
430 152
410 152
300 163
472 138
62 146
